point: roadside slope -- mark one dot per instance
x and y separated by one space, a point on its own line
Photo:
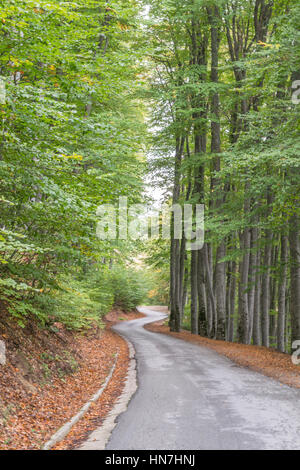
50 375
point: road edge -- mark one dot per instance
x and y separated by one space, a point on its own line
242 355
62 432
99 438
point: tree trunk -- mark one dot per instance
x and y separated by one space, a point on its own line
252 277
295 278
273 298
202 320
282 294
265 284
194 292
220 273
245 240
256 333
185 291
265 290
211 296
231 302
175 288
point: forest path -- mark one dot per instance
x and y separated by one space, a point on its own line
190 397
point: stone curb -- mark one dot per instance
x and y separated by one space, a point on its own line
66 428
99 438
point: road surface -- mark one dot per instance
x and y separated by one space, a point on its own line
190 397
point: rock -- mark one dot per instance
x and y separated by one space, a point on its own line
2 353
28 387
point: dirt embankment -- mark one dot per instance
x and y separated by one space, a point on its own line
50 374
266 361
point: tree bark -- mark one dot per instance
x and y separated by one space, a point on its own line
194 292
256 333
265 290
220 273
231 302
175 316
202 303
282 294
252 279
245 240
294 239
265 283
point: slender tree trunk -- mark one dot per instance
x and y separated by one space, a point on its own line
228 285
220 273
265 290
185 291
194 292
265 283
256 333
220 289
245 240
252 278
211 295
175 316
282 294
294 239
181 272
198 58
273 298
231 302
202 320
209 306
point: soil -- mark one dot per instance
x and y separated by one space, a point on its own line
51 373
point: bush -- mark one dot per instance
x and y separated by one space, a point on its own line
83 302
129 288
79 300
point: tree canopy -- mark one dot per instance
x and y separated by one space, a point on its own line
209 90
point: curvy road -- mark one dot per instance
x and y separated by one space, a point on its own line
190 397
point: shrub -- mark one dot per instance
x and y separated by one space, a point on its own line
129 287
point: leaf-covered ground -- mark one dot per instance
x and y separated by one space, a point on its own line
98 411
269 362
49 376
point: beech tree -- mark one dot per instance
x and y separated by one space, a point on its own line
223 75
71 139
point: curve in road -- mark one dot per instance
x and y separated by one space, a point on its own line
190 397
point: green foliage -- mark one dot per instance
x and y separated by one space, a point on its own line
266 148
157 260
71 138
130 287
81 303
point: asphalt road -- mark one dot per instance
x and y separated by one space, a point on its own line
190 397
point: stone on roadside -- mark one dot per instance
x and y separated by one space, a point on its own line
2 353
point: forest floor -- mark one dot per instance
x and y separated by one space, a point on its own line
266 361
50 375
